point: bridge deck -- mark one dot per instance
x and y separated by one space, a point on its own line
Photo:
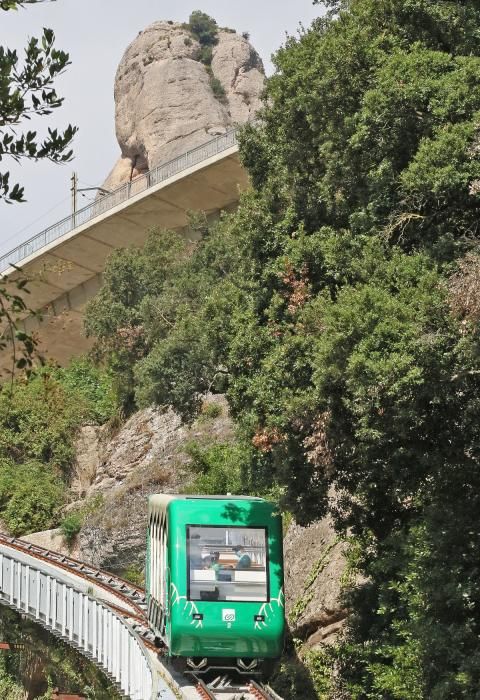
65 262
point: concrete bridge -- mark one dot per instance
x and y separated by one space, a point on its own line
65 262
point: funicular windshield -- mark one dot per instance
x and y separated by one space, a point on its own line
227 563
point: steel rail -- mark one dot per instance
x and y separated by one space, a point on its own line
203 690
132 595
102 205
262 692
99 574
251 689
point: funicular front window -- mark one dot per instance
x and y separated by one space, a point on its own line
227 563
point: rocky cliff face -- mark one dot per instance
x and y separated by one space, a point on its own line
164 101
147 455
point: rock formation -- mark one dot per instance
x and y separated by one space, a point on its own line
314 565
146 456
164 100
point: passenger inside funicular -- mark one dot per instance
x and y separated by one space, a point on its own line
227 563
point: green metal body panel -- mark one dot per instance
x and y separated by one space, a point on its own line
211 636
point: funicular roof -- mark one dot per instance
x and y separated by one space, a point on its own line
160 501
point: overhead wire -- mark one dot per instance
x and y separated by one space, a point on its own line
39 218
42 216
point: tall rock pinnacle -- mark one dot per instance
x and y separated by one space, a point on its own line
167 100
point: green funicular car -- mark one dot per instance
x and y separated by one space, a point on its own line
215 581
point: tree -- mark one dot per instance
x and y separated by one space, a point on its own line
337 309
203 27
27 90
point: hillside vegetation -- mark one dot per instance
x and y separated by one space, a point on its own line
338 309
38 423
44 663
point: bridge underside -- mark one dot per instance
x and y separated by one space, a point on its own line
65 274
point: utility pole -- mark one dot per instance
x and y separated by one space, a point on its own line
74 190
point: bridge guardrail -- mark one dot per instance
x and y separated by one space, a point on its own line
81 620
106 202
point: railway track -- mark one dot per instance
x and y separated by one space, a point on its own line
134 594
222 687
130 599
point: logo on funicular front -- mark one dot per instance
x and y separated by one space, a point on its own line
228 615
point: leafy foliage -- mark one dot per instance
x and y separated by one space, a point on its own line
133 280
305 675
71 526
13 337
91 386
30 496
16 4
9 688
38 423
218 89
220 468
205 30
203 27
27 90
336 307
135 575
57 664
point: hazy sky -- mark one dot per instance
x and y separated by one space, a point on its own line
96 33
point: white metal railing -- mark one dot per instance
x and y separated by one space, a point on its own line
121 194
36 589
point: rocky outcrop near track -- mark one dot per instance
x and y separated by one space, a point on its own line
314 567
165 103
147 455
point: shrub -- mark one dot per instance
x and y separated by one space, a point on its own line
203 27
134 574
219 468
218 89
71 526
39 418
210 411
31 495
206 56
94 385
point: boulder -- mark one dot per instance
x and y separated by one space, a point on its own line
314 565
240 70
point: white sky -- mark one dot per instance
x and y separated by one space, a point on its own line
96 34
